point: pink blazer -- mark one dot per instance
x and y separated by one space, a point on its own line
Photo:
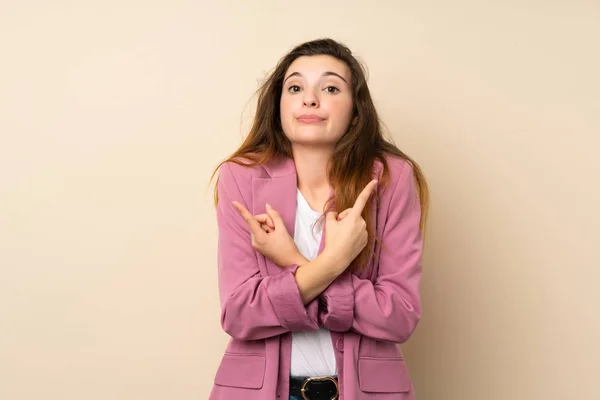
367 313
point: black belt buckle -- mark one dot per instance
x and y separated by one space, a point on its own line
305 389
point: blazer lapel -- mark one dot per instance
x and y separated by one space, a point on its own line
280 191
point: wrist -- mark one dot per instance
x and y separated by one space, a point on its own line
334 261
299 260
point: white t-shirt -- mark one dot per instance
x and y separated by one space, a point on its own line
312 351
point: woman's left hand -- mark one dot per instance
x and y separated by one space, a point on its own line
270 236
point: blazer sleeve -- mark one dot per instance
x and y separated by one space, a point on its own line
390 308
252 306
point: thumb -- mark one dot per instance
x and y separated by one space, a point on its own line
332 216
343 214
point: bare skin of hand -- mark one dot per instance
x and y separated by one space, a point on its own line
344 239
266 223
346 236
276 244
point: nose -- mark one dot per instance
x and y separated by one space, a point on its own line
310 99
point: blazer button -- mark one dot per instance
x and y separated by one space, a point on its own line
340 345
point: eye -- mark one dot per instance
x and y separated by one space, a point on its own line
294 89
332 89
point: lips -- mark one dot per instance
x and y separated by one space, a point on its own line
310 119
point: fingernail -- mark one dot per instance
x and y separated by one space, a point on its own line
268 206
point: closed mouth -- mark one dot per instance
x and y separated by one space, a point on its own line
310 119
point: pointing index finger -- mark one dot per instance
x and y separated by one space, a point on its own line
253 224
363 198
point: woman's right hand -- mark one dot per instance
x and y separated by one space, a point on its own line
347 236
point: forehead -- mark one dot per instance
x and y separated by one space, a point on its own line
315 66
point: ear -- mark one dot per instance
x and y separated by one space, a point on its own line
355 120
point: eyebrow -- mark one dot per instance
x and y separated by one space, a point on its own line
326 73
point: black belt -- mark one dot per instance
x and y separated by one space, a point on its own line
314 388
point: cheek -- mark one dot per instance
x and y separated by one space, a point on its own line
285 106
285 114
343 111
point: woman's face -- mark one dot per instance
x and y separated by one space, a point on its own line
316 101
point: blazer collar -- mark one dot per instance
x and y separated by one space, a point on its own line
280 167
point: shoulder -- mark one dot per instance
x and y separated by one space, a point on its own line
239 173
400 199
243 168
398 165
237 169
399 172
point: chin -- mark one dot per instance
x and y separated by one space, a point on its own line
312 137
313 143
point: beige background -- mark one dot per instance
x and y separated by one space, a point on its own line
113 114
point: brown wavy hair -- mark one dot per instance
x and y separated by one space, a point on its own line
351 165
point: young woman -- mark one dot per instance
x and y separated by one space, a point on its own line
320 241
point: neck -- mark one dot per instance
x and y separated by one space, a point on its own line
311 167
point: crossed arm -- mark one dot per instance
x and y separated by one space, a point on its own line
306 294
